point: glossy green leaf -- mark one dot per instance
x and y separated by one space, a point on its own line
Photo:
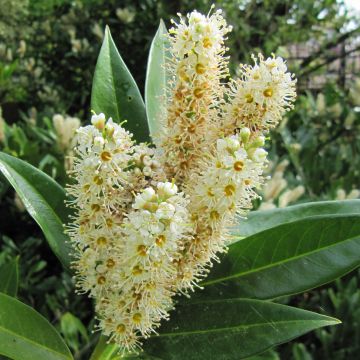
157 79
43 199
265 219
230 329
26 335
288 259
9 277
115 93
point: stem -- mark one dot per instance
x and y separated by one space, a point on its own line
105 351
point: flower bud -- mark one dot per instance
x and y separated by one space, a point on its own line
258 141
260 155
98 121
245 134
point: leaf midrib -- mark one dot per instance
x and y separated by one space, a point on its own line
112 76
188 333
274 264
33 342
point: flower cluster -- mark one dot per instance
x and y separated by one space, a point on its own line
260 96
149 222
123 239
197 66
224 188
143 264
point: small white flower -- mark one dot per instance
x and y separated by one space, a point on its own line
167 189
98 121
165 211
99 141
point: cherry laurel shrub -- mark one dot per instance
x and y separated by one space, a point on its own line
155 216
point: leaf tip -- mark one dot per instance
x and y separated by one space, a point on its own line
107 31
333 321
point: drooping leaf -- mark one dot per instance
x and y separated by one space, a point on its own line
230 329
157 79
26 335
44 200
9 277
265 219
115 93
288 259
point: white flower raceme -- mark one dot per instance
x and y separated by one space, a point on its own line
224 188
260 96
290 196
197 66
65 128
126 245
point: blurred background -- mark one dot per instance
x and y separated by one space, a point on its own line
48 52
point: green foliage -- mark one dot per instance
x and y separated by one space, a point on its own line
341 342
35 141
322 140
73 331
115 93
44 200
209 330
9 277
262 220
26 335
289 258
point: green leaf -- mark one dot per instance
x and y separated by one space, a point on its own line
230 329
115 93
288 259
265 219
157 79
44 200
9 277
26 335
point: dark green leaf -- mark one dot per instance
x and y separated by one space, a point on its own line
9 277
261 220
157 80
115 93
230 329
43 199
288 259
26 335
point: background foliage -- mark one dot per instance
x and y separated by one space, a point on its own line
48 52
